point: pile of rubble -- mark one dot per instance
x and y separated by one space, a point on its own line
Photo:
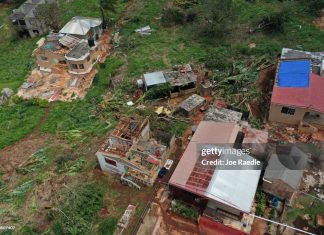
282 133
5 94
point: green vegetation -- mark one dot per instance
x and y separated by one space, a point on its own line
184 210
38 160
18 120
16 196
261 199
80 116
108 226
312 207
159 91
78 209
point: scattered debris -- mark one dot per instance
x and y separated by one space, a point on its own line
130 145
130 103
144 30
162 111
222 115
309 182
5 94
192 104
129 212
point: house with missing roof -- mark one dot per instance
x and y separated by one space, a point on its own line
224 196
298 96
182 80
130 152
76 46
24 19
284 172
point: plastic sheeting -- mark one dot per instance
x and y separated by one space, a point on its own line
294 73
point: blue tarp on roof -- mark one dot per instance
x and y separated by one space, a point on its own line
294 73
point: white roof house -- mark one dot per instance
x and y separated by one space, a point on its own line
235 187
155 78
80 25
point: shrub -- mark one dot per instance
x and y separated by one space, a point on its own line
313 7
108 226
159 91
274 22
261 200
181 209
216 18
40 102
172 16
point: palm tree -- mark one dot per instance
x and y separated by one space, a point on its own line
105 6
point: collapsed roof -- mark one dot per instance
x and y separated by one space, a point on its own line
80 51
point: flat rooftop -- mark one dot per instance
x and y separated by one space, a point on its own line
192 102
222 115
79 51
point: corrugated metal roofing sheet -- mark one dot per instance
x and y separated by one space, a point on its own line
80 25
231 187
154 78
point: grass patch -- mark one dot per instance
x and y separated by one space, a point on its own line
312 207
108 226
17 121
80 116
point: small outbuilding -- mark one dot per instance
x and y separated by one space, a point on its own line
284 172
222 115
192 104
153 79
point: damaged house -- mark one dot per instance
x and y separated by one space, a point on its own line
130 152
225 197
25 21
182 80
75 45
298 97
65 61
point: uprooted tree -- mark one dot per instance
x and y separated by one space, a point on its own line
106 6
50 14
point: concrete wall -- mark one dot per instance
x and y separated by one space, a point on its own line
145 134
119 168
87 64
278 188
52 59
214 205
275 115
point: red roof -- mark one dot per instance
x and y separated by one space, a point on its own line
311 97
186 174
